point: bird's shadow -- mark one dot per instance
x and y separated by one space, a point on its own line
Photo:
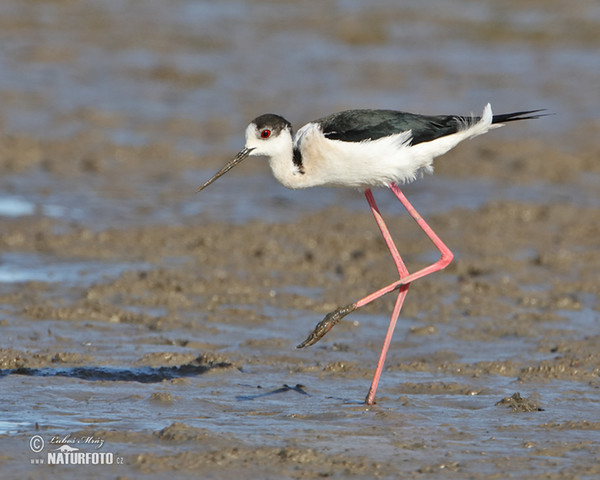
284 389
117 374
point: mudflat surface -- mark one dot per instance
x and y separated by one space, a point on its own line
142 320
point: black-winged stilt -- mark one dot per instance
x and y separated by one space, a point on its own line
365 149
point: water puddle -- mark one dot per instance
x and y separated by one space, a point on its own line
240 199
27 267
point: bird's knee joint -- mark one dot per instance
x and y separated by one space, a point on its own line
446 259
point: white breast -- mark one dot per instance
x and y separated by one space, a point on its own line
355 164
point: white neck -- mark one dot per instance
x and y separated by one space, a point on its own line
284 170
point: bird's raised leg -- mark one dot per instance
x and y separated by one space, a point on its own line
446 257
334 317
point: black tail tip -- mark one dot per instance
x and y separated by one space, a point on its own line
522 115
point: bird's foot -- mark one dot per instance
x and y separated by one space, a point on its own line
327 324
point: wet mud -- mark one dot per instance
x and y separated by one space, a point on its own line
164 323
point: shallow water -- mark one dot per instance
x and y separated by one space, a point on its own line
164 323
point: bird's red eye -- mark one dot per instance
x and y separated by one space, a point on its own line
266 133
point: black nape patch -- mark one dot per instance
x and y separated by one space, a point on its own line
273 122
298 160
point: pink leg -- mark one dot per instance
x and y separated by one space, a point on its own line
370 400
443 262
403 272
402 284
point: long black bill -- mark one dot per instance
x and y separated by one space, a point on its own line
238 158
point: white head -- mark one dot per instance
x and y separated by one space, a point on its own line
268 135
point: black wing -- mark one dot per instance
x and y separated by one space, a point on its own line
359 125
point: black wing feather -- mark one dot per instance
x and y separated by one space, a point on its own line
360 125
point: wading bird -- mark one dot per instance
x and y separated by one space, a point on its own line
364 149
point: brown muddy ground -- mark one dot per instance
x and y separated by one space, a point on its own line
164 323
